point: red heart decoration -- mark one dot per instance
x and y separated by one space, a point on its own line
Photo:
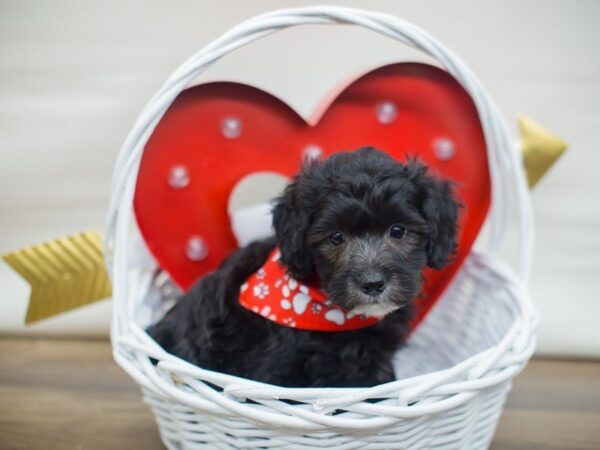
429 115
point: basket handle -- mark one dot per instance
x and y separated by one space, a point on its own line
504 160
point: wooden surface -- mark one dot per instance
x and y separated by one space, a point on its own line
60 394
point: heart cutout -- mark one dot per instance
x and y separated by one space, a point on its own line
215 134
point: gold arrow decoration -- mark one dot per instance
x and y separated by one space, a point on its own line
64 274
540 148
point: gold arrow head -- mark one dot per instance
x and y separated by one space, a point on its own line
540 148
64 274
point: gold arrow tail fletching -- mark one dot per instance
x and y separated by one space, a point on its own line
64 274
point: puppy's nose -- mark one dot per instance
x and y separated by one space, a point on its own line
373 284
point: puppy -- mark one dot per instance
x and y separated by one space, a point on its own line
359 225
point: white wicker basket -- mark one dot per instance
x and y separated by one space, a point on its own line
455 372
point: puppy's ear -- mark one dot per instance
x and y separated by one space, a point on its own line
441 212
291 222
440 209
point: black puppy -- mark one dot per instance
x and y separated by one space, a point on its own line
362 223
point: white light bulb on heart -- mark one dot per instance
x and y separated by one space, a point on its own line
179 177
231 127
444 148
386 112
196 249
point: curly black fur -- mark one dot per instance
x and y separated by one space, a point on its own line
359 195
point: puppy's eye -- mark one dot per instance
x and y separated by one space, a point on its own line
397 232
336 238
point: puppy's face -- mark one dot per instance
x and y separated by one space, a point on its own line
367 226
369 252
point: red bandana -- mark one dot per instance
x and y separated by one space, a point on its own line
273 294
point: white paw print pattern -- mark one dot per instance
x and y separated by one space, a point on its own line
285 304
300 302
266 312
289 287
261 290
261 273
293 284
289 321
316 308
336 316
295 295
